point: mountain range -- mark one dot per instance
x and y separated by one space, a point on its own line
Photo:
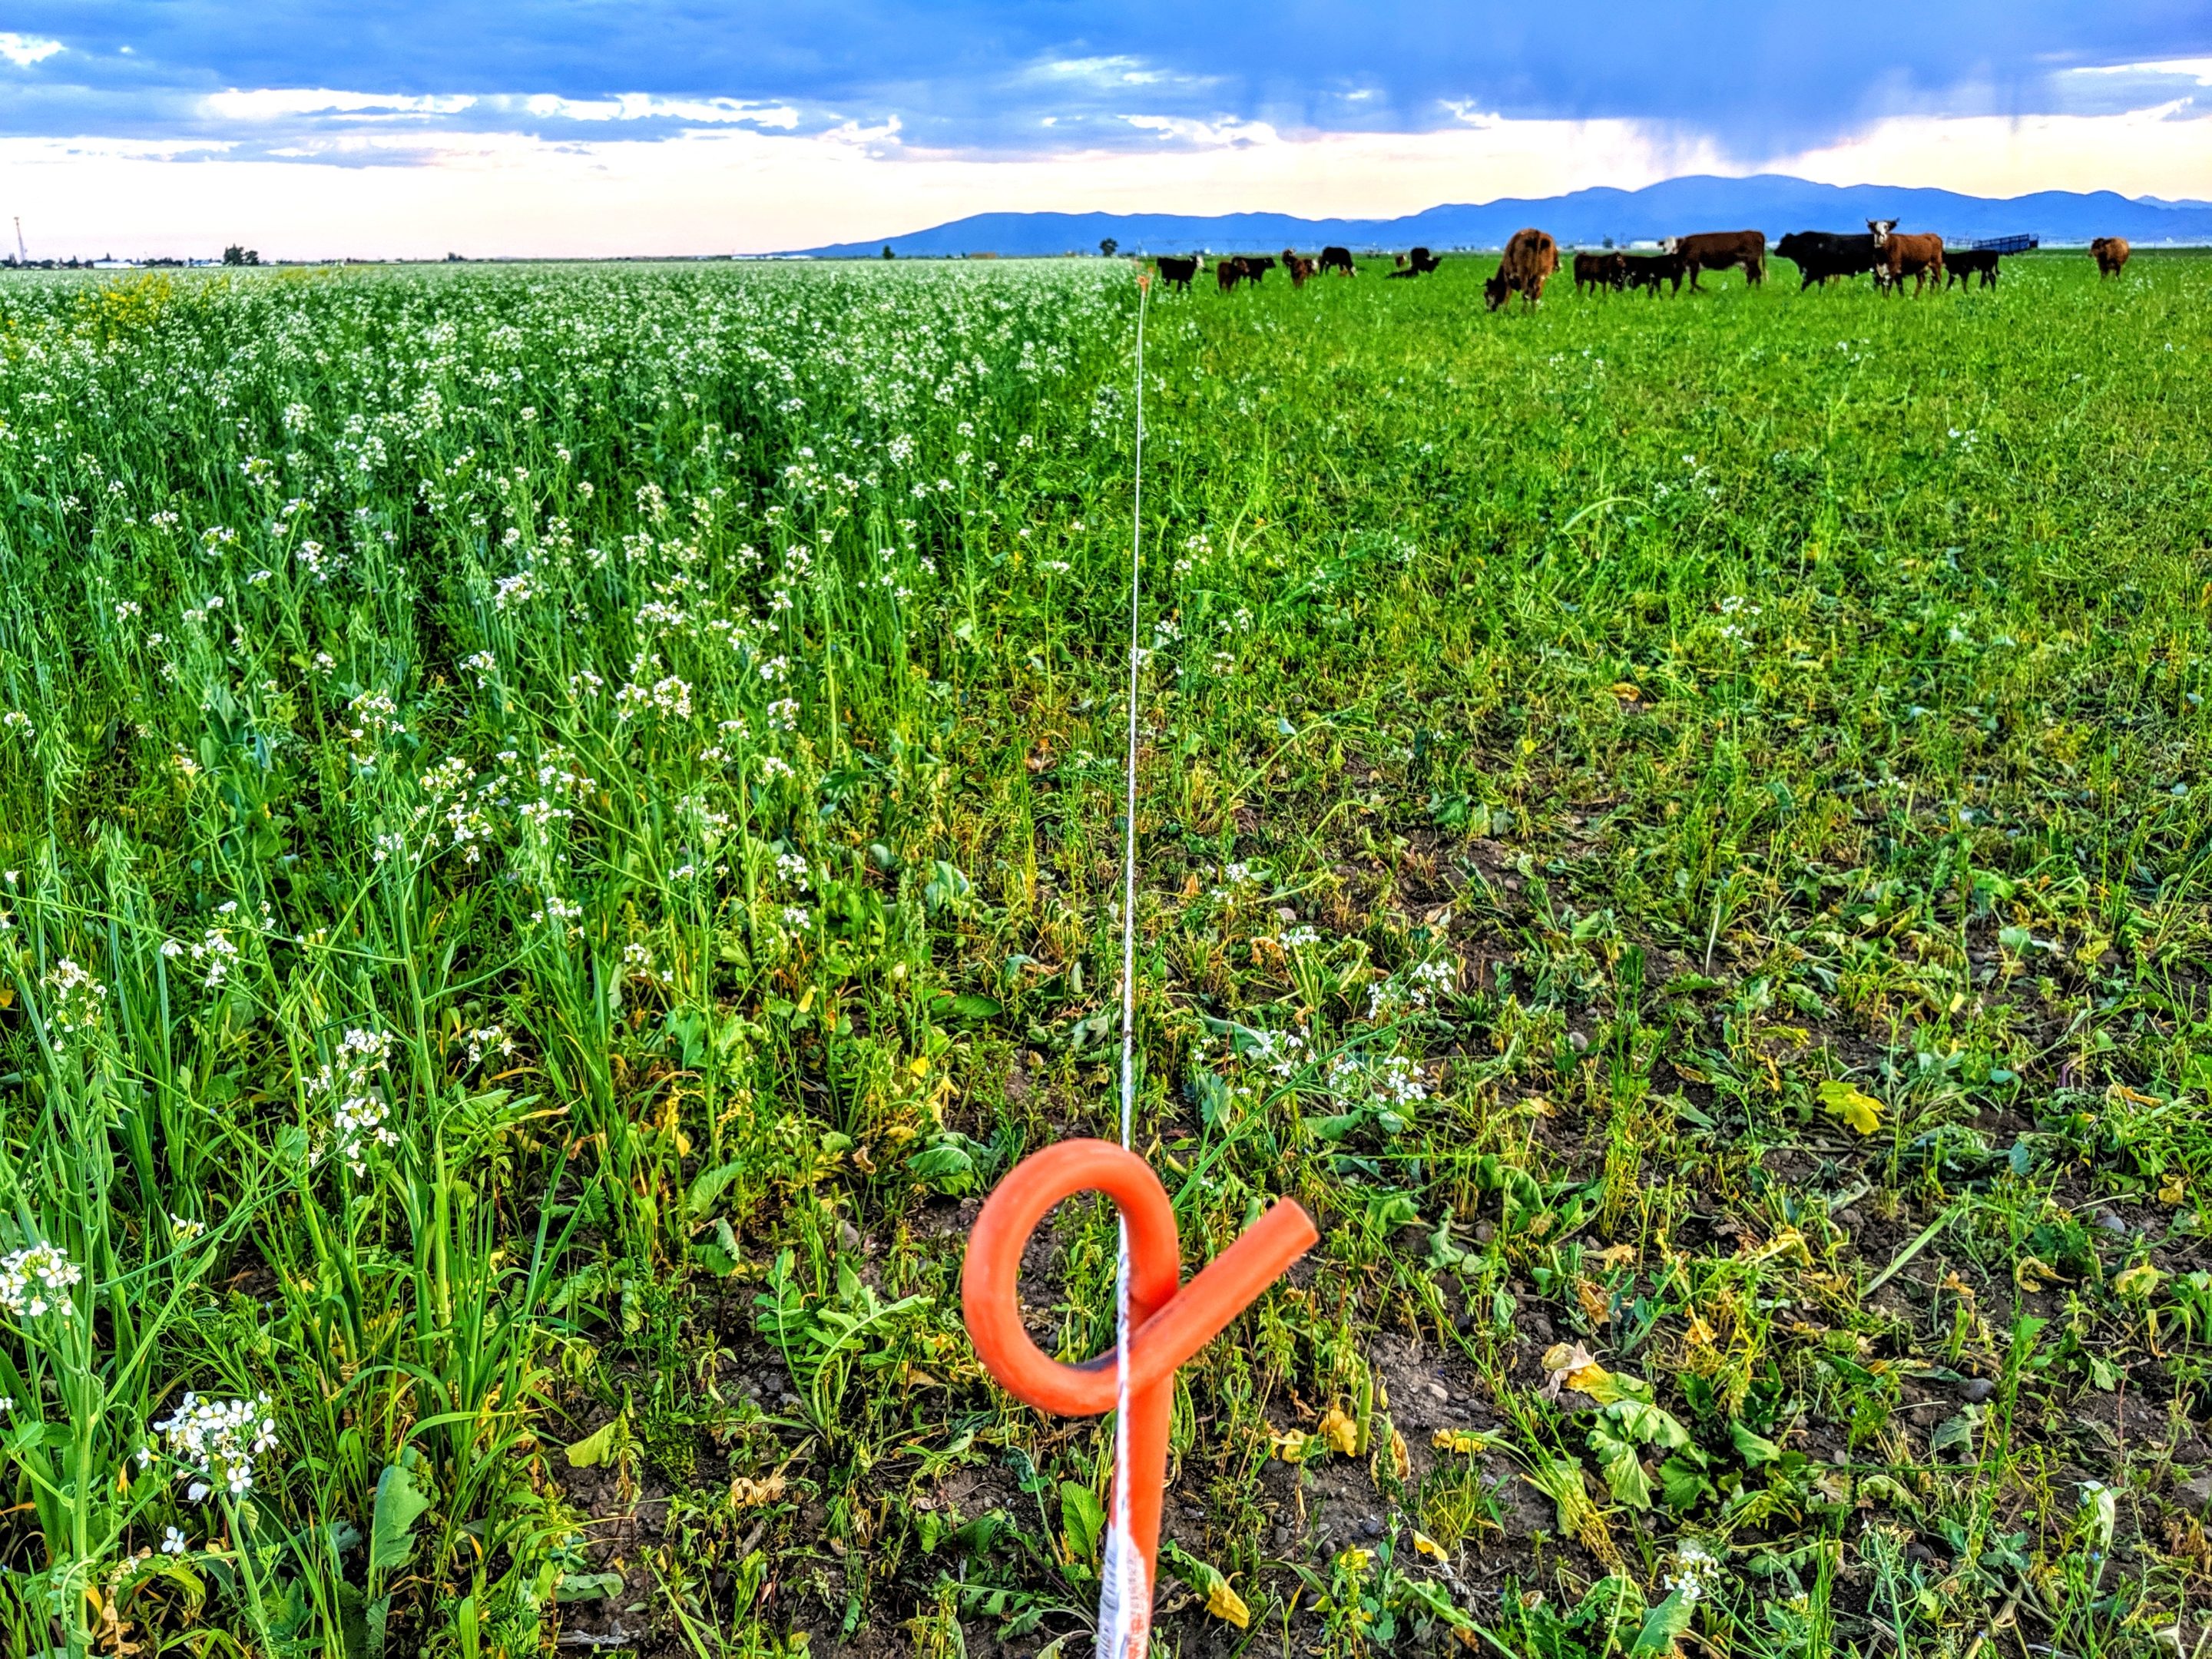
1771 202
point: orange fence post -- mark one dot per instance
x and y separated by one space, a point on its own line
1170 1321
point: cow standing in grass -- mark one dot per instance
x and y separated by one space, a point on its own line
1338 259
1301 268
1962 265
1819 255
1531 257
1648 271
1177 270
1919 257
1723 250
1601 270
2111 254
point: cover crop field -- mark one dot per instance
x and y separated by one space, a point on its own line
559 828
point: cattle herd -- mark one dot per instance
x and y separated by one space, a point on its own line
1533 257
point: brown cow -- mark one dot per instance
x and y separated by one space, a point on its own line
1338 259
1723 250
1920 257
1530 257
1228 272
1601 270
1177 270
1299 266
2110 252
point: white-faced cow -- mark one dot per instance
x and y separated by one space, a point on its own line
1919 257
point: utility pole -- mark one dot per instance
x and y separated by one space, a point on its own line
21 252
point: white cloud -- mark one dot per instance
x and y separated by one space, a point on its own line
2145 152
643 106
2198 70
275 103
25 50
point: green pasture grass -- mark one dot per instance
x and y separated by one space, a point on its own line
559 829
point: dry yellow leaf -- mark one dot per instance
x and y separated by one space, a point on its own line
1424 1545
1614 1255
1222 1603
2033 1273
1569 1365
2139 1281
2172 1190
1339 1430
748 1494
1627 691
1401 1460
1289 1445
1466 1441
1699 1335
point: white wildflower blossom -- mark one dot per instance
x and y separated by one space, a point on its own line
34 1281
218 1441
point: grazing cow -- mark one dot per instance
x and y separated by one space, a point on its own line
1301 268
1919 257
1961 265
1228 272
1257 265
1601 270
1530 257
1175 271
1338 259
2110 252
1419 263
1723 250
1648 271
1820 254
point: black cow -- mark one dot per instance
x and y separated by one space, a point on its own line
1820 254
1961 263
1175 271
1648 271
1338 259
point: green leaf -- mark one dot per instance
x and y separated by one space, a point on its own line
1641 1421
1751 1448
1666 1623
587 1586
1683 1481
1623 1473
699 1202
1082 1519
594 1448
400 1503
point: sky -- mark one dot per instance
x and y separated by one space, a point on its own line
318 129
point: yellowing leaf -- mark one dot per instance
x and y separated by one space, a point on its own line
746 1493
2172 1190
1699 1335
1401 1460
1289 1445
2139 1281
1569 1365
1339 1430
2033 1273
1862 1111
1614 1255
1424 1545
1466 1441
1222 1603
1354 1560
1627 691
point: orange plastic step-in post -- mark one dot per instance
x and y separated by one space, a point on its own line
1168 1321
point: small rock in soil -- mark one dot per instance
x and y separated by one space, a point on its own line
1975 1389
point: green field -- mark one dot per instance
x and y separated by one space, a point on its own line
561 826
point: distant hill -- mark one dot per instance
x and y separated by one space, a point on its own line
1769 202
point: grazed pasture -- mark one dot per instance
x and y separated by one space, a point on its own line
559 829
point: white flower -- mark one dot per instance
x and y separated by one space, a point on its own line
218 1440
32 1281
795 918
172 1542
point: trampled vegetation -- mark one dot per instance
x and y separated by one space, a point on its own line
559 829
